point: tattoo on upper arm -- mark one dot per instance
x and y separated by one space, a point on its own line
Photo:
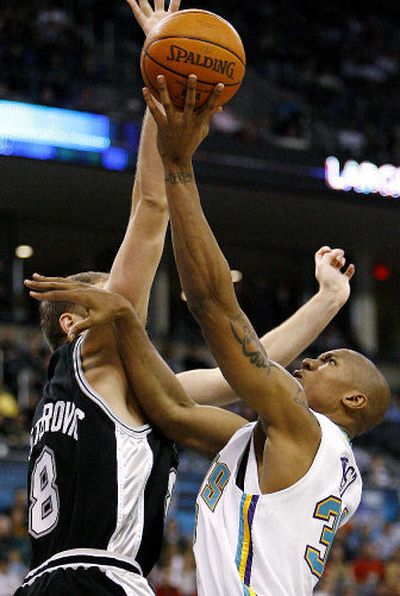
300 399
179 178
251 346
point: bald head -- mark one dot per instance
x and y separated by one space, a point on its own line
347 387
369 381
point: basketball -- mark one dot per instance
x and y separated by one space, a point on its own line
194 42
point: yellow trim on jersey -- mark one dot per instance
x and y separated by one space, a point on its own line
244 552
246 537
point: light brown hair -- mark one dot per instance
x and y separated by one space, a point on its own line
50 312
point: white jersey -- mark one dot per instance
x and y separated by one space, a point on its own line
274 544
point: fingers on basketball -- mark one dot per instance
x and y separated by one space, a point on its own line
190 100
164 95
209 107
151 104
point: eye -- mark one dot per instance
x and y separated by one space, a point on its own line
332 361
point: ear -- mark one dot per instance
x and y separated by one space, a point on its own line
66 321
355 400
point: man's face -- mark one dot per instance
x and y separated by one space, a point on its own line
326 379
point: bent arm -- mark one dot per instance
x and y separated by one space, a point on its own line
287 341
283 344
163 399
156 387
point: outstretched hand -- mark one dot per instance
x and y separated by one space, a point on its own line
149 17
180 133
330 272
102 306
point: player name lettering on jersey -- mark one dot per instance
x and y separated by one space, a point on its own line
61 416
349 475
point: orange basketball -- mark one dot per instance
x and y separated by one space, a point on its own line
194 42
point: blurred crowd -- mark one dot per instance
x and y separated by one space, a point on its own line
320 75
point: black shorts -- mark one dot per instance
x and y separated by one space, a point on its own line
86 573
72 582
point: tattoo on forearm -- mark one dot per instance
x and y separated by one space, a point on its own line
179 178
251 345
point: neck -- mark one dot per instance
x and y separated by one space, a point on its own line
346 431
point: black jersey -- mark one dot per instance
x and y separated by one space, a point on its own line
94 482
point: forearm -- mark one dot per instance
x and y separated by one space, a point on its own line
153 383
149 184
203 269
207 387
136 263
287 341
163 399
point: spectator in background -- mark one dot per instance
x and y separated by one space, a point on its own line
378 474
334 80
8 404
388 540
338 570
6 535
9 580
392 573
368 568
176 573
187 584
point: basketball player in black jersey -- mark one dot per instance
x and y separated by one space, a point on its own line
100 478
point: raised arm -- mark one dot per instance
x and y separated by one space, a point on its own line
206 280
287 341
162 398
135 265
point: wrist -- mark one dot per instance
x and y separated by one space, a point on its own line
333 299
175 166
124 310
179 174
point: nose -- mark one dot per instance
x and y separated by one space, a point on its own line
309 364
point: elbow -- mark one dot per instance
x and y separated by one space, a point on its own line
155 202
174 421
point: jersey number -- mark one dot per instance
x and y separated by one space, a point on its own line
327 510
45 502
216 483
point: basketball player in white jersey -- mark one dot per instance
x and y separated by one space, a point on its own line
278 489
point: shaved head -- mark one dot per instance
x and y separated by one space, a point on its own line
371 382
347 387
